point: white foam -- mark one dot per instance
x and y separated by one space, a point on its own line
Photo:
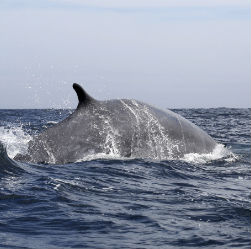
219 152
97 156
52 122
15 140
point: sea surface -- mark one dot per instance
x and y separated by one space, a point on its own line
199 201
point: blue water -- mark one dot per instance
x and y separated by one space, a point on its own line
196 202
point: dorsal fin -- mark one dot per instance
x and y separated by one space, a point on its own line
83 97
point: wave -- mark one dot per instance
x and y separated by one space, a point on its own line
7 165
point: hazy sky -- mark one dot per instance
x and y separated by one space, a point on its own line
170 53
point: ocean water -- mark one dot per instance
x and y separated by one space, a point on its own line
199 201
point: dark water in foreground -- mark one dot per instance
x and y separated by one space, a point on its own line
198 202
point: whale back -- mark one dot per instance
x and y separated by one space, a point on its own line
120 128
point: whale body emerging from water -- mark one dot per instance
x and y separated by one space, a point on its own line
123 128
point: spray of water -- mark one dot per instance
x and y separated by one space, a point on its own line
15 140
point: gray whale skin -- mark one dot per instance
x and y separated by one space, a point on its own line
119 128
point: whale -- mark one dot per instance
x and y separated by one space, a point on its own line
122 128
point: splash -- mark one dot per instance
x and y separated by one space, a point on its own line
15 140
160 146
219 152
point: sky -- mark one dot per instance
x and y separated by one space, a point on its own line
168 53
